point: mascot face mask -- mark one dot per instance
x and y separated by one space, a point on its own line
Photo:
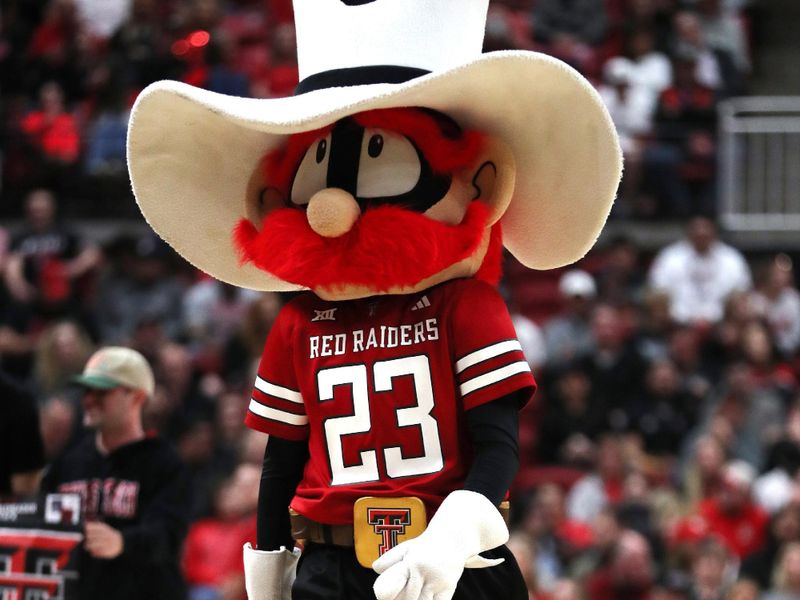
389 201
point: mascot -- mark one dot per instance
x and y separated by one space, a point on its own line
386 188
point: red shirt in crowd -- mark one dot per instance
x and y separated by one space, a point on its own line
213 550
744 531
57 136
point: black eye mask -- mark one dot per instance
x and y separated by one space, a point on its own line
347 138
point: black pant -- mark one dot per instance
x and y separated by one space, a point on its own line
333 573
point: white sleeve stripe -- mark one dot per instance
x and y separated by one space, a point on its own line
262 385
486 353
277 415
495 376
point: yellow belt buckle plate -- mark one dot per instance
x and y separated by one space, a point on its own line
380 524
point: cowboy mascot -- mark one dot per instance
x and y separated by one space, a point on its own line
385 189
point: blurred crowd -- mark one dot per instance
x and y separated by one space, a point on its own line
660 454
71 69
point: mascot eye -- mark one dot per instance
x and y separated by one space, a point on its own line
322 150
389 165
312 174
375 146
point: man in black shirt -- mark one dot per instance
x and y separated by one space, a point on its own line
45 258
134 487
21 451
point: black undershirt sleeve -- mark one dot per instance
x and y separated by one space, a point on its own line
284 461
494 431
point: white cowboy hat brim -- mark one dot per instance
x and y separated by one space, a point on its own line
191 153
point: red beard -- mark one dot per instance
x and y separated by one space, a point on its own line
387 248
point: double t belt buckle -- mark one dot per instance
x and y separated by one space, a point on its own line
379 524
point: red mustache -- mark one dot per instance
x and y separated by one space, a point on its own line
388 247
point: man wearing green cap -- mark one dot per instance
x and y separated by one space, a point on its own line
133 486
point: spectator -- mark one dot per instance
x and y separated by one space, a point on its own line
690 355
106 138
652 70
282 75
102 17
786 582
703 478
778 301
212 558
47 259
606 530
633 85
615 367
571 29
572 419
601 488
699 273
679 166
668 413
675 585
132 536
631 108
769 373
714 68
569 335
52 131
621 279
630 573
724 32
21 450
652 338
139 48
58 423
531 339
743 590
525 554
53 51
732 514
140 294
711 570
244 348
565 589
213 310
784 528
216 69
541 528
63 350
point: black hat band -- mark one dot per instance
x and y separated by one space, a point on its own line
358 76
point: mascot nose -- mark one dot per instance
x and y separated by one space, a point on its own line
332 212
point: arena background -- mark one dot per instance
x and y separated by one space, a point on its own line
660 455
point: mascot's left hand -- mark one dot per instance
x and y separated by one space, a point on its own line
428 567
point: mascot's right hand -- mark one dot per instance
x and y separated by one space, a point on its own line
268 575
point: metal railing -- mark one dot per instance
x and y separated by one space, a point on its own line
759 158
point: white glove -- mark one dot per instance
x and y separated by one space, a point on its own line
268 575
428 567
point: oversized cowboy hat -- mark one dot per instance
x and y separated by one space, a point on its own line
192 153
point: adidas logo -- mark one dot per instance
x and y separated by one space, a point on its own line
421 303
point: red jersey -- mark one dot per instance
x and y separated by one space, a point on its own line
379 387
744 532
